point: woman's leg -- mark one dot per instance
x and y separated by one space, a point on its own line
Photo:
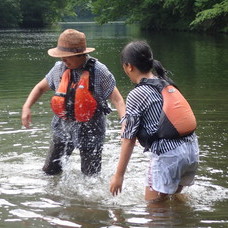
154 196
180 187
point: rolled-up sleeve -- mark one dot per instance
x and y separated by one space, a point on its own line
54 75
132 123
138 101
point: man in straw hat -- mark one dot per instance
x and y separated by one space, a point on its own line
68 134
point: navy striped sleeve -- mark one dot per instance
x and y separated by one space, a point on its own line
142 104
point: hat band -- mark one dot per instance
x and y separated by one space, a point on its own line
74 50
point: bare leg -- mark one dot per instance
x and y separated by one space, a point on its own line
180 187
154 196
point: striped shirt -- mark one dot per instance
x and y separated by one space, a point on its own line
143 108
104 84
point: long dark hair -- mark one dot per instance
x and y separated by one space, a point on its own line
140 55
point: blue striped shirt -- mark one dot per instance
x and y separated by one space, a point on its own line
143 108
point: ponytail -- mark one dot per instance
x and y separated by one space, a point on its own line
161 72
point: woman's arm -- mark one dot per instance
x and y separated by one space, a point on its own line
125 154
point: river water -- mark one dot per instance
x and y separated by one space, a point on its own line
29 198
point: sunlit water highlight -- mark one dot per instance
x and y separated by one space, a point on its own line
22 179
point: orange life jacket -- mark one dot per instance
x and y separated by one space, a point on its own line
74 100
177 118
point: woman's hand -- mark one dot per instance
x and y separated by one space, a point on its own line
125 154
26 117
116 184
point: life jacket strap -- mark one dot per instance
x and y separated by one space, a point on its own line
102 103
90 67
158 83
60 94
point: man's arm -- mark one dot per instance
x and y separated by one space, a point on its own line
118 101
34 95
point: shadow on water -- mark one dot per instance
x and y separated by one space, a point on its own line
29 198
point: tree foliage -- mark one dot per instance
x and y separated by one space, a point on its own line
214 18
28 13
10 13
82 11
208 15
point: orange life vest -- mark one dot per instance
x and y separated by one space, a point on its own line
74 100
177 118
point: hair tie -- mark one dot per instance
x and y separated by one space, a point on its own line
151 61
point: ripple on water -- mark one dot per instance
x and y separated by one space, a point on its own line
53 221
36 196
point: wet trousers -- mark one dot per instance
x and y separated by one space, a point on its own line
90 145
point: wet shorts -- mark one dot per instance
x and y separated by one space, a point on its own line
173 168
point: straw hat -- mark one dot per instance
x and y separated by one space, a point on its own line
71 42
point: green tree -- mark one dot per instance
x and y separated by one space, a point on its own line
10 14
44 12
32 14
209 15
82 11
213 18
150 14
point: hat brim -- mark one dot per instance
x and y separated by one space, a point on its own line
55 52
